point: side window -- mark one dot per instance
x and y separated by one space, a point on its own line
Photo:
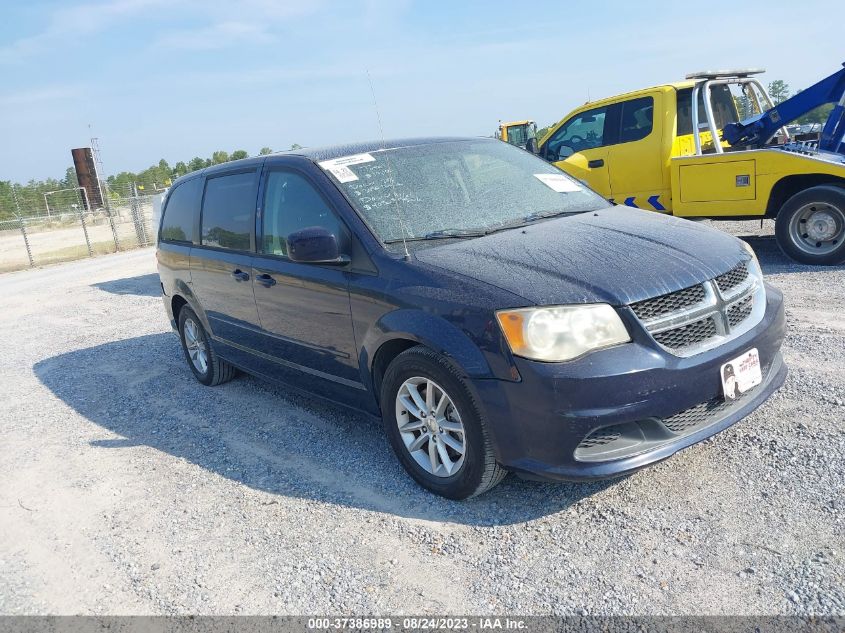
179 215
637 119
583 131
724 109
292 203
228 211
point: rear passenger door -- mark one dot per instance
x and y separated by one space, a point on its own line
221 265
304 308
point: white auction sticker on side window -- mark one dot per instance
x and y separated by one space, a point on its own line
339 167
558 182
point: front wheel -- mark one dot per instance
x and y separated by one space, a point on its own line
810 227
435 427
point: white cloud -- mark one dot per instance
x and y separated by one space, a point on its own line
37 96
234 24
214 36
73 22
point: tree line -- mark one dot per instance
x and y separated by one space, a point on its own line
28 199
779 92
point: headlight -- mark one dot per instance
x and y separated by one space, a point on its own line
754 264
558 333
749 250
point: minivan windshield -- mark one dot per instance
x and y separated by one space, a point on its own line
455 189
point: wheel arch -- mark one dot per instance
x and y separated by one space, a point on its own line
182 296
176 304
384 355
788 186
405 328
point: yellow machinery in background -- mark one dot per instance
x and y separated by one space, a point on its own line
517 132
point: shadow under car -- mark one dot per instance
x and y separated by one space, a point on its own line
268 437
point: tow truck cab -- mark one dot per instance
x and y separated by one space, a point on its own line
642 150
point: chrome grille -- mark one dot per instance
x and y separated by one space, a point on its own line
732 278
698 318
679 300
740 311
689 334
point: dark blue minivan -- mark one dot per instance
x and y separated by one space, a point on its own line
494 312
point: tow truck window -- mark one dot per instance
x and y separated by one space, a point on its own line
637 119
581 132
724 110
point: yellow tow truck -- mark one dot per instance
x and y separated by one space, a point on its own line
517 132
682 149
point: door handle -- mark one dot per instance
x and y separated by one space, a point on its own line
240 275
599 162
265 280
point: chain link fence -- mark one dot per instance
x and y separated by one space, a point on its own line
66 235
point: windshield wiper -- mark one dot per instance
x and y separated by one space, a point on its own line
528 219
443 234
542 215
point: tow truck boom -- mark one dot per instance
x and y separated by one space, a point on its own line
760 129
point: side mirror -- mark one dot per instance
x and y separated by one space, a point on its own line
314 245
531 146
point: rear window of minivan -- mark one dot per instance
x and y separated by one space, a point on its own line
177 223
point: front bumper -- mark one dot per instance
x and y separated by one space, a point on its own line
538 423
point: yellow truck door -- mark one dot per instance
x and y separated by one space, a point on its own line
638 168
578 147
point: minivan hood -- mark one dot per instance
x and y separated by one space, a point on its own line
617 255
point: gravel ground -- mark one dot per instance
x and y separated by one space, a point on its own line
128 488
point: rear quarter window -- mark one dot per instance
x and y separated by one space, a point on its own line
180 212
228 211
724 110
637 119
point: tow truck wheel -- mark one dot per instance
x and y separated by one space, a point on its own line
810 227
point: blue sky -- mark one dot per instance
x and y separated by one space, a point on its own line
177 79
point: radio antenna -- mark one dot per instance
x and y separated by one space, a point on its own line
399 215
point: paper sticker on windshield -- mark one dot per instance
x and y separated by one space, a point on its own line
339 167
558 182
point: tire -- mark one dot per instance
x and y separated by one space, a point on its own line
810 226
214 371
475 469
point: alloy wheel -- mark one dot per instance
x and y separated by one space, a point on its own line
430 426
195 344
